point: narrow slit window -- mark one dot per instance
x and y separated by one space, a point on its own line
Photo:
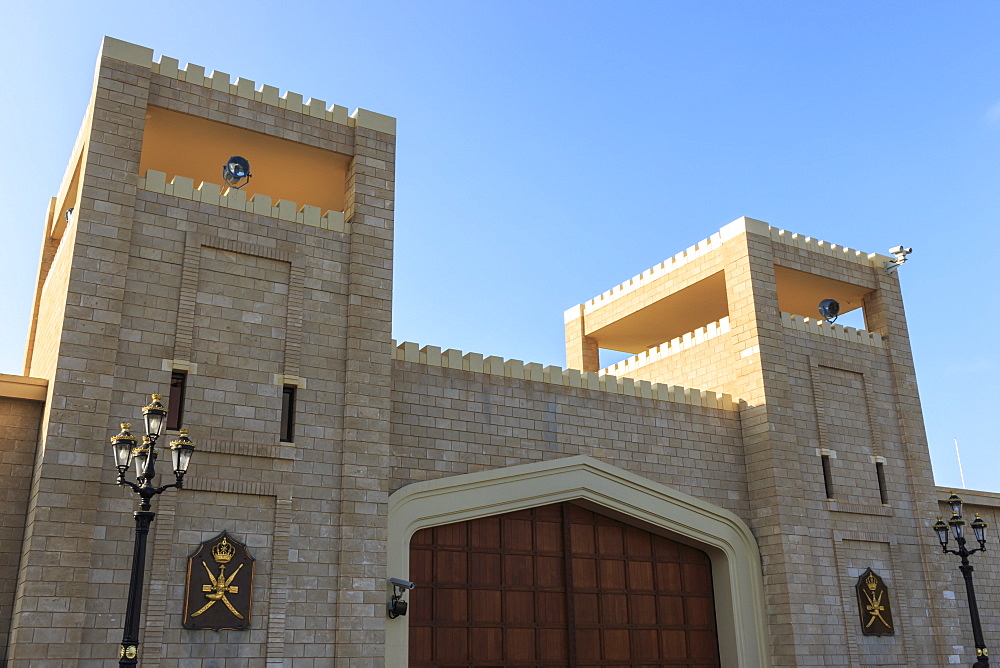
175 404
287 414
827 476
882 491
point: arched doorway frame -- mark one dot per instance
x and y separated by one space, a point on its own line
736 569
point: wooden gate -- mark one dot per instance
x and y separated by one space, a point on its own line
558 585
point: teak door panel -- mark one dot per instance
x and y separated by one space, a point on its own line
493 592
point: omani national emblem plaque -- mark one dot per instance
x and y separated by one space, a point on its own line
219 591
873 604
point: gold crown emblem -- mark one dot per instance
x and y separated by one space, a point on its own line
871 581
223 552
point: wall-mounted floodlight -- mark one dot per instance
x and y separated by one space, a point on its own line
397 606
235 170
69 214
900 253
829 309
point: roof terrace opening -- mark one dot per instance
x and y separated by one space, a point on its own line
669 317
190 146
800 292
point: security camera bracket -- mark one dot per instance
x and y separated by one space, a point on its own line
397 606
900 252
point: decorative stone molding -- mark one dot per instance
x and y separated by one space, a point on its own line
736 568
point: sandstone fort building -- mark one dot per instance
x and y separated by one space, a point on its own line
712 500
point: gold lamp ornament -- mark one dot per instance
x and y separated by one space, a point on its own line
127 449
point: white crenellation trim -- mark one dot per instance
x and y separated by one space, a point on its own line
701 248
705 246
672 347
816 326
245 88
211 193
587 380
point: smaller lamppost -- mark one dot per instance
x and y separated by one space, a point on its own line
957 526
126 450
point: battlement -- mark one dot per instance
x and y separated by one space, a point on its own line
672 347
826 248
754 226
211 193
246 88
701 248
816 326
716 241
587 380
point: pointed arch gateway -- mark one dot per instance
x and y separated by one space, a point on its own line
608 491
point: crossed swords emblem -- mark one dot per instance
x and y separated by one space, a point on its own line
220 586
874 608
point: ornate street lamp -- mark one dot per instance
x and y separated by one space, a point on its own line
957 526
128 450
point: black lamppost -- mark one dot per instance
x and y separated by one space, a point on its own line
126 451
957 525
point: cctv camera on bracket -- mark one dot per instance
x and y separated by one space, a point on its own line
397 606
900 253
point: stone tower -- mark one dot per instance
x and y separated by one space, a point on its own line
835 452
151 274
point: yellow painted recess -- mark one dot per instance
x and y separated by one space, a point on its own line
23 387
673 316
801 292
672 347
588 380
184 145
210 193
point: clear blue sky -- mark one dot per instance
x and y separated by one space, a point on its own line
548 151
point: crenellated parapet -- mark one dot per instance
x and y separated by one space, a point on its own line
825 248
715 242
672 347
698 250
246 88
232 198
600 382
824 328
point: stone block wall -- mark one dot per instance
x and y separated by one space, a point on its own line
248 296
707 365
245 300
450 421
19 423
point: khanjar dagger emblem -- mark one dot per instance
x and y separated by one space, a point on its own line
219 585
873 604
